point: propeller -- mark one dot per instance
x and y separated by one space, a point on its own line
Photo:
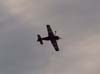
55 32
58 36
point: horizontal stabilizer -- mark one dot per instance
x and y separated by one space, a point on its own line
39 39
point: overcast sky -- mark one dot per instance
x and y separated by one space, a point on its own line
77 22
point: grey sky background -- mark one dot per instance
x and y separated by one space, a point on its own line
76 21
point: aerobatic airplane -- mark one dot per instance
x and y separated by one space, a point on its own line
51 37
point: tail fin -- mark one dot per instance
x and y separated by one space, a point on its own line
39 39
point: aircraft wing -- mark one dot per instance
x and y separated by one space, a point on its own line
50 32
55 45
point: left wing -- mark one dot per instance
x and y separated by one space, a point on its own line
55 45
50 32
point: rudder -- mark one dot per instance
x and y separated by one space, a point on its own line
39 39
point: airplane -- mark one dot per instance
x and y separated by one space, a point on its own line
51 37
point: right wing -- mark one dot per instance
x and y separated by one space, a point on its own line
55 45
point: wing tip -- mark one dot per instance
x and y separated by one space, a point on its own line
57 50
48 25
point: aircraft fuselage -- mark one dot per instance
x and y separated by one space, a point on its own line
51 38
